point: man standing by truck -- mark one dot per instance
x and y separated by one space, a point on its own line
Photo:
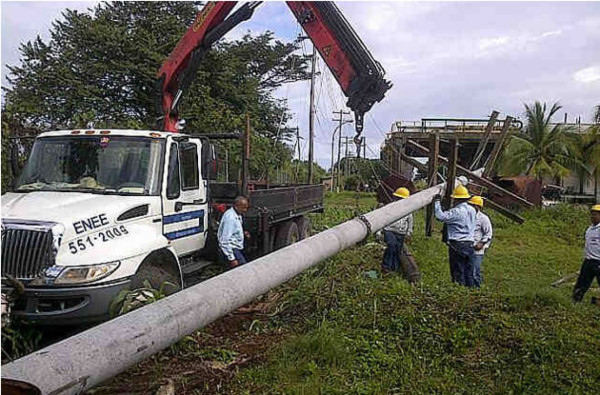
231 233
591 264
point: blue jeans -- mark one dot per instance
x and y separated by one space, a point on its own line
477 276
391 256
238 254
461 255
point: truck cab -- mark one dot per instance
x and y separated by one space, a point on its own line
93 212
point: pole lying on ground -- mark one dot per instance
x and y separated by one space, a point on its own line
87 359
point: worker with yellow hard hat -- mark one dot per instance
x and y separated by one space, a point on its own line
460 221
483 237
590 268
395 235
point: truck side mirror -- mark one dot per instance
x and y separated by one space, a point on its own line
210 163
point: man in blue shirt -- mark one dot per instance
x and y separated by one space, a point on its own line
460 221
231 232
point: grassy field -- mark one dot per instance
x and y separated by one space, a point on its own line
334 329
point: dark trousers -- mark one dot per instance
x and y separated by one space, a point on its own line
589 269
238 254
462 254
391 256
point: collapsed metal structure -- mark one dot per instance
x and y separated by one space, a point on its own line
91 357
476 141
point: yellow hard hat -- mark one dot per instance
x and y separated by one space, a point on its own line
402 193
596 207
476 200
460 192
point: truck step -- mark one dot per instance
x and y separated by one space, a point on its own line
195 266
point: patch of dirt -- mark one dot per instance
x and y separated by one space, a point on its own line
208 359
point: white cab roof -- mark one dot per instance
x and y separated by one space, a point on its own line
110 132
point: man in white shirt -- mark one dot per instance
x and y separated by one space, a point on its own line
482 239
394 235
591 264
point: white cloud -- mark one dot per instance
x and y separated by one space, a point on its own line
444 58
589 74
488 43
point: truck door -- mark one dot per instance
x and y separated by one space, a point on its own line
185 216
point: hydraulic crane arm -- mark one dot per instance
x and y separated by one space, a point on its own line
358 74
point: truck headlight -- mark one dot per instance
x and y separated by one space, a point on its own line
79 274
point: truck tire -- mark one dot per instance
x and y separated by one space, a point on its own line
287 234
304 228
157 272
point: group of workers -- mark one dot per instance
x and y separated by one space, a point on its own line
468 233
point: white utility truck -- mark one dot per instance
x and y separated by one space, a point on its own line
98 211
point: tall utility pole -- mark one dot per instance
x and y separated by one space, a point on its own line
226 165
346 157
365 147
311 117
299 152
341 122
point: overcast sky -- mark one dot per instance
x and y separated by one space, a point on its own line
445 59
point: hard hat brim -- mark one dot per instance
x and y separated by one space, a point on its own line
453 196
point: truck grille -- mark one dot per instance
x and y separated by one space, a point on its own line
26 252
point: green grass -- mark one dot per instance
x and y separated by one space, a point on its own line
518 334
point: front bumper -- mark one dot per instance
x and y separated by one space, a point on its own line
66 305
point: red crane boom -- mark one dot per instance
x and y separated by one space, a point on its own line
359 75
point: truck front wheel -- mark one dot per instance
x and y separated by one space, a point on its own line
287 234
160 273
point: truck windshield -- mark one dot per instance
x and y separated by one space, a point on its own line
96 164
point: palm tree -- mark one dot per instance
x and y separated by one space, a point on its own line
585 149
541 149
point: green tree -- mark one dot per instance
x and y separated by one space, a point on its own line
100 66
542 149
586 151
585 148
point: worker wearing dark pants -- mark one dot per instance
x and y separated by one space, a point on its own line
590 268
460 221
394 236
391 256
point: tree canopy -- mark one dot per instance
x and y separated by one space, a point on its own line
100 66
542 149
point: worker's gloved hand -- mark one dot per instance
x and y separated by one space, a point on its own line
437 197
379 237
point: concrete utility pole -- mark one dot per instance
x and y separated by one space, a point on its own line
311 122
299 152
226 165
80 362
341 121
